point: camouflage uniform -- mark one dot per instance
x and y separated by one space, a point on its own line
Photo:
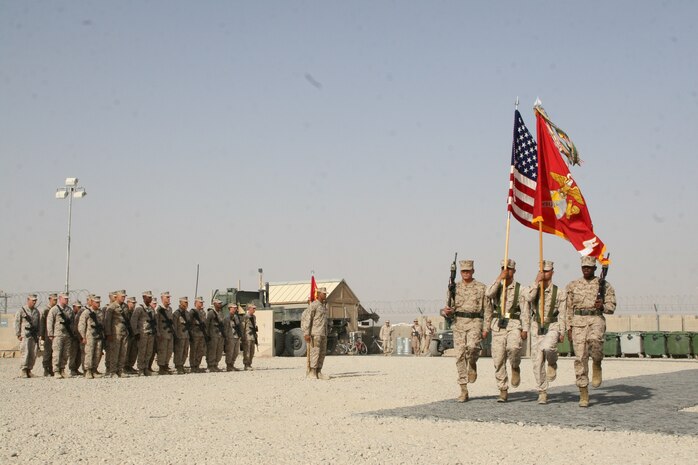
47 356
233 328
544 346
117 337
77 351
588 324
315 315
93 336
429 333
181 335
416 332
386 335
28 333
506 342
467 326
197 349
144 329
249 328
163 317
214 350
131 343
62 341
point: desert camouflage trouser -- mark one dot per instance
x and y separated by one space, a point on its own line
164 348
318 350
232 350
61 350
543 349
28 349
93 354
145 351
116 353
506 344
181 350
214 351
467 334
197 351
587 340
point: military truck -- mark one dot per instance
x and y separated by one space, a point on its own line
288 336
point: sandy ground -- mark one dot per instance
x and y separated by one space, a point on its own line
275 415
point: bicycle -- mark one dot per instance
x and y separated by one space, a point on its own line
378 344
356 348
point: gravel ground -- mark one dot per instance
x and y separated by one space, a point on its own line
375 410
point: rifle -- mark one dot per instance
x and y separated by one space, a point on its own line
30 326
168 322
221 329
202 326
67 324
98 327
451 293
253 319
601 294
152 324
126 323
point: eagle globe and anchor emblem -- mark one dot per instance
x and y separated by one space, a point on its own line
565 196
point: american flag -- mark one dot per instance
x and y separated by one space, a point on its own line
524 173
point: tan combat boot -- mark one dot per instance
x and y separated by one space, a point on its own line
463 393
584 396
472 372
312 374
23 374
551 371
515 376
321 375
543 397
596 374
503 395
59 375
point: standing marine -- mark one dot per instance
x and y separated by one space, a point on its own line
249 336
314 326
467 324
59 329
91 330
588 299
182 331
416 332
117 329
145 330
217 336
233 327
47 357
386 335
164 344
199 335
27 325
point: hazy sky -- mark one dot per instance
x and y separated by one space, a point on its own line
364 140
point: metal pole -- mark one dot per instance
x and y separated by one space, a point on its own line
70 216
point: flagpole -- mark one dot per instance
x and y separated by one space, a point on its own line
541 291
503 299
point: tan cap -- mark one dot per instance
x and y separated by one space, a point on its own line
96 298
78 303
322 290
53 295
467 265
232 305
120 292
131 299
251 305
64 295
510 264
588 261
217 301
548 265
165 294
147 293
32 297
184 299
112 293
199 299
416 320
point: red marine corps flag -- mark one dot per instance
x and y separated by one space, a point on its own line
313 289
559 204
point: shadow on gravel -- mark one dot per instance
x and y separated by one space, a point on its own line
648 404
355 374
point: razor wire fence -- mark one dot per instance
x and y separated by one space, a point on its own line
10 303
626 305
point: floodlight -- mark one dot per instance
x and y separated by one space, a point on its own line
71 182
61 193
79 194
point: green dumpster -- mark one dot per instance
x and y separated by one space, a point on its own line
694 344
565 347
678 344
654 343
611 345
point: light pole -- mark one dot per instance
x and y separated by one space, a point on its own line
70 190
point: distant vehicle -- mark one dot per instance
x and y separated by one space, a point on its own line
442 342
288 336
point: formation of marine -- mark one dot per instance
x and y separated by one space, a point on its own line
511 314
132 337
